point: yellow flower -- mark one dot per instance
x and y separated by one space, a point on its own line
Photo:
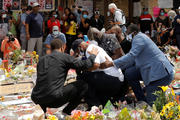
178 116
170 114
34 53
7 74
169 105
179 107
37 56
164 88
52 117
92 117
162 113
172 91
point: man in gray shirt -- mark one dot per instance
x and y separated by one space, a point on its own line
35 29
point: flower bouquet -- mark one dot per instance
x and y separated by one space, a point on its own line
166 104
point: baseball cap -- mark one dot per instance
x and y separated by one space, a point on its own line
76 43
35 4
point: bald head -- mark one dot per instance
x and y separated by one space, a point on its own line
94 34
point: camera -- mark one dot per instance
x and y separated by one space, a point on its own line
11 37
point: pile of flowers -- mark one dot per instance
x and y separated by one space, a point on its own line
167 104
124 112
19 55
94 114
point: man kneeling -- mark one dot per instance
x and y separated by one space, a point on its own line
52 69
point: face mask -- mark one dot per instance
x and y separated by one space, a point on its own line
163 29
85 16
55 33
146 12
55 16
108 14
4 15
162 14
129 37
170 17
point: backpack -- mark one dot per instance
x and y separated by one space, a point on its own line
123 15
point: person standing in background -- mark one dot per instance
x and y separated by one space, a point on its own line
177 28
26 12
85 23
35 29
97 20
146 22
53 21
71 30
119 16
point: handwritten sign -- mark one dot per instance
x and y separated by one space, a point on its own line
165 3
17 88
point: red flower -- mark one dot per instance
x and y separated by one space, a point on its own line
179 53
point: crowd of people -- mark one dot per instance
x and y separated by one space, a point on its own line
107 62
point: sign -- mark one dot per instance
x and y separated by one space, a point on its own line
86 5
17 88
156 11
48 4
16 4
44 4
6 4
165 3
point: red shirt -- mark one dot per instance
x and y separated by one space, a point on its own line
50 24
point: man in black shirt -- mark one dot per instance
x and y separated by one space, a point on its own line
97 20
52 70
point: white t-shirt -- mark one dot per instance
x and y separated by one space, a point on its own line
100 58
118 17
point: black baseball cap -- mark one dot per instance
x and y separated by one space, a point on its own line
76 44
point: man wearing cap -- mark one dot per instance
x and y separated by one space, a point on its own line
55 34
119 16
177 27
34 29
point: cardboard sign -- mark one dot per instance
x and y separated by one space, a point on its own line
16 88
165 3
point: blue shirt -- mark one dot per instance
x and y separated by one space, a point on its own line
50 37
23 19
148 58
35 22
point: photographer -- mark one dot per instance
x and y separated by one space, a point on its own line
9 44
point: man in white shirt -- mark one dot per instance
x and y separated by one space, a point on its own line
119 17
103 83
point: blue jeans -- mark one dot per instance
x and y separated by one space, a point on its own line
133 76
